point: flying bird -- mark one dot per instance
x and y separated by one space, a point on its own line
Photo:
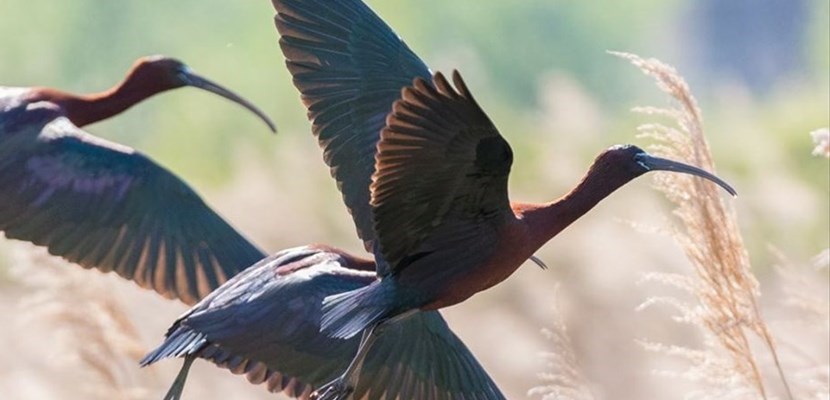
265 323
105 205
423 172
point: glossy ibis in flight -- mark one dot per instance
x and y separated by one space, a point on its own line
423 172
265 323
104 205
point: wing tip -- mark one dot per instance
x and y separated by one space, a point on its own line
459 83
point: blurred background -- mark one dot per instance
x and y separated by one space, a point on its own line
759 69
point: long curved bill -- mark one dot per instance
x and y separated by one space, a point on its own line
652 163
203 83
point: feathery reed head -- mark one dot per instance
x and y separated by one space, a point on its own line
707 230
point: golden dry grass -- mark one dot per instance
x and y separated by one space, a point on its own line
720 296
821 138
707 230
87 323
290 200
563 378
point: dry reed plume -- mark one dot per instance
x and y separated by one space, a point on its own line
88 326
803 288
821 138
563 379
805 305
707 230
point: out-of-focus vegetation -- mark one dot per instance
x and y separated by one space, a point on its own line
539 68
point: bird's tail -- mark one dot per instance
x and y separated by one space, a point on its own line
348 314
179 343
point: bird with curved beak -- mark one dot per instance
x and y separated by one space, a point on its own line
433 207
423 171
104 205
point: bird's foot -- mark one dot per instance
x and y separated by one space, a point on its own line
336 390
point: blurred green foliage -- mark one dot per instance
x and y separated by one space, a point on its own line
507 50
540 70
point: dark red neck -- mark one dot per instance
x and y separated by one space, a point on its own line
546 220
88 109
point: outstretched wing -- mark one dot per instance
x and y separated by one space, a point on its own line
106 206
349 67
265 323
441 164
421 358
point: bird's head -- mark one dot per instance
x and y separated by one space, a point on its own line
165 72
160 73
631 161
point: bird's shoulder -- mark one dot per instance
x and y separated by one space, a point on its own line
23 111
296 271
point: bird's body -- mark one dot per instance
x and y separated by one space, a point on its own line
265 323
105 205
422 170
445 278
512 249
506 240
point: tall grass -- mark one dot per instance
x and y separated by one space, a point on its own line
706 228
563 379
86 325
821 138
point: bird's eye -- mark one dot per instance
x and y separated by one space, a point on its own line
639 158
183 74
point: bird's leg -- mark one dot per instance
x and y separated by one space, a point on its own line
342 387
175 392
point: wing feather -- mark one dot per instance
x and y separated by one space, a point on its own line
105 206
265 322
441 162
349 67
